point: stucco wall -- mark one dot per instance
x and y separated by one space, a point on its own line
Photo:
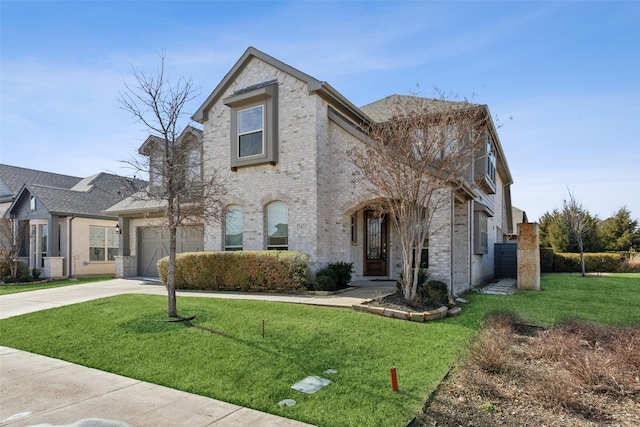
83 266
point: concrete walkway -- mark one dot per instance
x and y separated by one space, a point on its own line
38 390
500 287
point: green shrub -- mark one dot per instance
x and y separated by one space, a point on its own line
254 271
5 263
9 279
344 272
36 272
434 293
593 262
23 269
326 271
546 260
325 283
25 278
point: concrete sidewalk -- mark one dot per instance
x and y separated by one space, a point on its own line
27 302
38 390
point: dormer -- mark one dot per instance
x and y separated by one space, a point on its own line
185 158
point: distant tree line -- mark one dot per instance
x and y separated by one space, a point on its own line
618 233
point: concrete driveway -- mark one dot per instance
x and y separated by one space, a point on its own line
27 302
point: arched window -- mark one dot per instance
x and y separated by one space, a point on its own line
233 229
278 226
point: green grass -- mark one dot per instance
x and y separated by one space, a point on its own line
612 299
12 288
127 335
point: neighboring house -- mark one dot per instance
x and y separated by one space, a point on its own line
145 237
57 222
279 138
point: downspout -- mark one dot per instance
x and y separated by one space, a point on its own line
452 208
469 242
69 245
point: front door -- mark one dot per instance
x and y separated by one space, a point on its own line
375 244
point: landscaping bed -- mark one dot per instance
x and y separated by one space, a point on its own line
576 374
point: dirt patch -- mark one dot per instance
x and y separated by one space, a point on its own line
576 374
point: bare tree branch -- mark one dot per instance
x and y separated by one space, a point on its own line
577 219
173 158
412 163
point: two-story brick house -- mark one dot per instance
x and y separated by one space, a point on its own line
280 139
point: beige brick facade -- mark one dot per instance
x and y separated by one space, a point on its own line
314 177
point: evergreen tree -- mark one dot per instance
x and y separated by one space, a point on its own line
620 232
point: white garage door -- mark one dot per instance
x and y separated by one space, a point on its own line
153 244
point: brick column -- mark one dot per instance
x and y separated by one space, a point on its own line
528 257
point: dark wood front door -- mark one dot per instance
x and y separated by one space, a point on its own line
375 244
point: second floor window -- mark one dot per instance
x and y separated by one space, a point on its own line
194 169
250 132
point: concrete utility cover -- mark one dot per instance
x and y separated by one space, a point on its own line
310 384
287 402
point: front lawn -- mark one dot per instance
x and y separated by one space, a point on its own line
127 335
611 299
12 288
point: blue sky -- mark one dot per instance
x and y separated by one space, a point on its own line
562 78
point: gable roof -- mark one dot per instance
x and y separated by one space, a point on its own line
87 197
384 109
12 179
314 86
149 144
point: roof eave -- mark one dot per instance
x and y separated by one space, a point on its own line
502 166
314 85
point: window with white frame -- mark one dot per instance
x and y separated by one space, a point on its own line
485 167
254 125
481 235
233 229
250 132
155 169
103 243
194 168
277 226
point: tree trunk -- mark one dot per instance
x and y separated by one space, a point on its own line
171 275
582 268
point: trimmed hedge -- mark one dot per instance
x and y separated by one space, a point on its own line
546 260
593 262
255 271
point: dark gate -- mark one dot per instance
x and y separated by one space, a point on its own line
506 260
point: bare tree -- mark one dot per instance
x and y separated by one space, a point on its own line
13 235
178 184
413 160
579 223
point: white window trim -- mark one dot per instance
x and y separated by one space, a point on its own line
265 94
105 246
262 106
